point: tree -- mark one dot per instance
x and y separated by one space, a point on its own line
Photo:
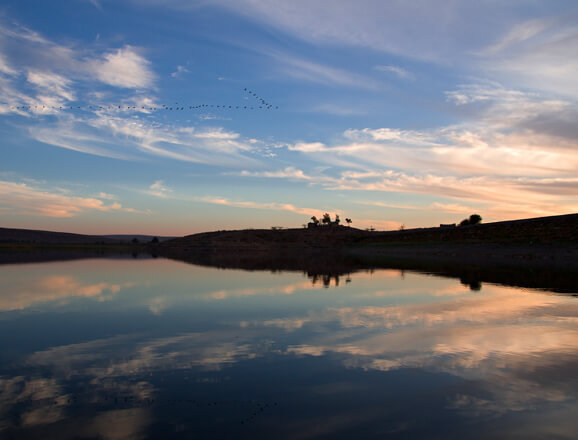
475 219
348 221
326 219
315 220
337 220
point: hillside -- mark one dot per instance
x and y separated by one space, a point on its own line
539 243
555 230
35 237
265 239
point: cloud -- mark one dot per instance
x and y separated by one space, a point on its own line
21 198
56 74
446 207
291 173
158 189
396 70
514 156
181 70
113 136
259 205
315 72
48 82
124 68
540 54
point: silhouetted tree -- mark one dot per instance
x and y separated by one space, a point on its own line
337 220
315 220
348 221
155 240
475 219
326 219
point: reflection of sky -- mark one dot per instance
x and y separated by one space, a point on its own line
99 328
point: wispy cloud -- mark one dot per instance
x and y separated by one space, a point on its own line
135 139
260 205
159 189
396 70
446 207
291 173
22 198
311 71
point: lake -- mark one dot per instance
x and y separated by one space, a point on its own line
138 348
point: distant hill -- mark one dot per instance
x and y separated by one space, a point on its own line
265 239
554 230
31 236
546 242
140 238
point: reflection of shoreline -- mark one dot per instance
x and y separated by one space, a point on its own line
333 265
49 254
549 268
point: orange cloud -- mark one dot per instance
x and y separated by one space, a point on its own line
21 198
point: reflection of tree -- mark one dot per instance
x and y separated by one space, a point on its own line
325 279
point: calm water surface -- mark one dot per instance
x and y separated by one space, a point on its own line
155 348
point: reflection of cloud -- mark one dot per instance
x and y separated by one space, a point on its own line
55 288
158 305
512 342
108 358
122 424
18 390
43 402
288 289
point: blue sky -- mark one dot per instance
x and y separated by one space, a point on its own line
387 112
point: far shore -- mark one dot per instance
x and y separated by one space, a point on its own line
539 242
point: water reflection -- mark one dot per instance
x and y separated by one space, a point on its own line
125 349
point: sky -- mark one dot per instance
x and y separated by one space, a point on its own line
171 117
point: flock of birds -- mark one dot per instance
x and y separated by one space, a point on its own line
262 104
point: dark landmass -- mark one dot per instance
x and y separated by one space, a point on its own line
534 253
34 237
539 242
141 238
559 230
